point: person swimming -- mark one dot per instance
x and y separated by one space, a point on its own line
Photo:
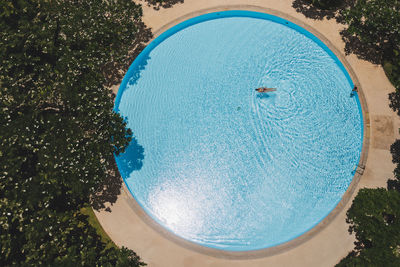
265 90
355 89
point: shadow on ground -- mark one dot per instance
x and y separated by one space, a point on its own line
131 160
353 45
314 12
157 4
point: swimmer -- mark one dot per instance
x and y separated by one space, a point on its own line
265 89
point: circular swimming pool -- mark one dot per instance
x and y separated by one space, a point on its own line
221 165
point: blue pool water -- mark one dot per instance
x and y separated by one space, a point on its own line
221 165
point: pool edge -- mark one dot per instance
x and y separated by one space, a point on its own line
252 254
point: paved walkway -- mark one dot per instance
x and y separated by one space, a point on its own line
128 226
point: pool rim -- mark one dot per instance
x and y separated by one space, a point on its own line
302 238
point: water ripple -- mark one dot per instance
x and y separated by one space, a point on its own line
225 166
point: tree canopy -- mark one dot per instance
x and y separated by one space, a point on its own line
59 131
375 23
66 239
374 217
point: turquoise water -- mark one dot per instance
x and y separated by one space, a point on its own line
221 165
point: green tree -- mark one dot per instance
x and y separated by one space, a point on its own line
375 24
45 238
374 217
59 131
392 70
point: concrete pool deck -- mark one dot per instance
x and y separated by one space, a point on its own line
325 245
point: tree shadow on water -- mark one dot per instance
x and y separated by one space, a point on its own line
135 73
131 160
115 71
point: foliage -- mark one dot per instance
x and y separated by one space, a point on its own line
45 238
395 150
394 103
375 24
374 217
59 128
392 70
59 131
92 220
